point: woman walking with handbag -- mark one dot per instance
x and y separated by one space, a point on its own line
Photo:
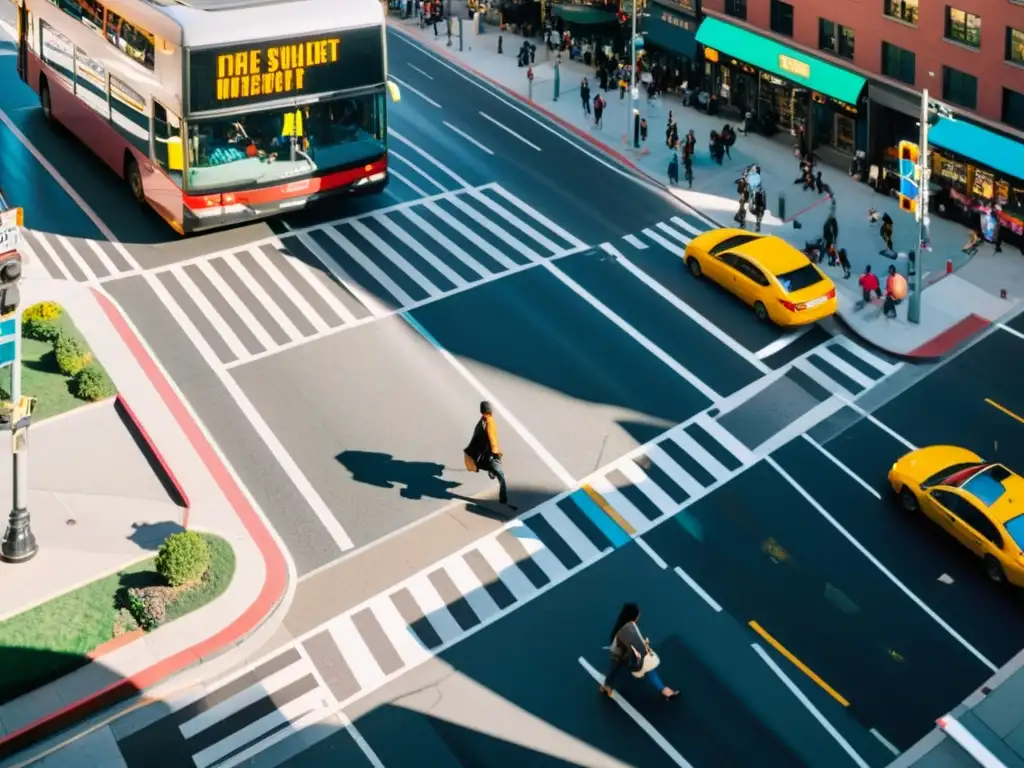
630 648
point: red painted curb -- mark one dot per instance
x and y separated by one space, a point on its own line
273 590
118 642
951 338
164 464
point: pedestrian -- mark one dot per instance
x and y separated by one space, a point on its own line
484 451
690 145
673 169
759 206
629 648
889 306
688 170
844 262
830 232
669 127
598 110
728 139
643 130
585 96
868 285
886 232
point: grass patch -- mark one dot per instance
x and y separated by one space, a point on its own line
42 379
55 638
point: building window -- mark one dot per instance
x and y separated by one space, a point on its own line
959 87
782 18
899 64
963 27
1013 109
736 8
1015 45
904 10
835 38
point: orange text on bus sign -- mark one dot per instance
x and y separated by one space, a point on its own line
274 70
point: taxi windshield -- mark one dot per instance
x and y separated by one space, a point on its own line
987 486
1015 528
798 279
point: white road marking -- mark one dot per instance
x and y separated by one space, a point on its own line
698 589
290 292
466 136
651 553
238 306
421 94
815 712
440 166
405 180
499 232
685 308
668 245
639 719
874 361
855 375
509 573
357 653
636 242
76 257
206 309
536 215
799 426
471 588
681 239
552 463
842 466
1012 331
417 69
402 234
470 235
370 302
781 343
105 260
439 237
687 226
509 131
417 169
882 426
885 742
395 257
368 266
878 564
45 244
946 578
263 298
516 222
435 611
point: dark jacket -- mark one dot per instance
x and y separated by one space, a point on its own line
483 446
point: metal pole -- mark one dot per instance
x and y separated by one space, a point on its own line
914 306
19 542
632 69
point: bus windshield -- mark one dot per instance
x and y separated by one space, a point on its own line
271 147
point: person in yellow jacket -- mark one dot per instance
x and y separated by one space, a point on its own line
484 451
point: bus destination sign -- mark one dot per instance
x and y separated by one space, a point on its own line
280 69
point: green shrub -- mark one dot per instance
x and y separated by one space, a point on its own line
92 384
71 353
148 605
183 558
41 330
48 311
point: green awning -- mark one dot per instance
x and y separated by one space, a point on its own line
770 56
585 14
672 31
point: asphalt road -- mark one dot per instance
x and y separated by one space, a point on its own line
338 362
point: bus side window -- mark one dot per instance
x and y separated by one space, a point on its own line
167 146
92 15
113 27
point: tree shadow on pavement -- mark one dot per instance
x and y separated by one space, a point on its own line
422 479
151 535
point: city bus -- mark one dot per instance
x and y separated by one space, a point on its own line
216 112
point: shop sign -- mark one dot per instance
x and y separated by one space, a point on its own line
710 54
769 78
794 66
675 20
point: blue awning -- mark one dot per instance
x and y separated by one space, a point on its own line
986 148
668 29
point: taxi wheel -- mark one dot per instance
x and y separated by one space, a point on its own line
994 569
909 501
694 266
761 311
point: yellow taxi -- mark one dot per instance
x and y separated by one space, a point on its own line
979 503
766 272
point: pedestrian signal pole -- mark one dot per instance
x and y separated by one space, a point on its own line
19 542
921 213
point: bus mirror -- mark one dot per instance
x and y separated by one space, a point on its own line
393 92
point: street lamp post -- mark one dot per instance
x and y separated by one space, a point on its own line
632 72
921 213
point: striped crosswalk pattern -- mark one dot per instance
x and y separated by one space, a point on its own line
282 292
363 648
841 367
672 235
76 258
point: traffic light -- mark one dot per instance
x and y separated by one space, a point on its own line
910 171
10 275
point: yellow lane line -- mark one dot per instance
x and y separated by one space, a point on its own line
1004 409
797 663
605 507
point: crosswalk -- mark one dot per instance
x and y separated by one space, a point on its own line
281 292
83 260
840 367
364 648
672 235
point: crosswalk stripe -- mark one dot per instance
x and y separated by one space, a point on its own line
238 349
636 242
518 223
726 439
821 378
844 367
377 309
368 266
873 360
44 243
503 565
673 233
418 170
77 258
499 232
395 257
573 242
434 608
261 296
470 235
648 487
424 253
618 501
105 260
357 654
666 244
686 225
306 273
290 292
696 452
431 231
236 303
569 533
471 588
679 476
409 649
540 554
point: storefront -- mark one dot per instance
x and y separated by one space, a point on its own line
783 87
979 171
669 29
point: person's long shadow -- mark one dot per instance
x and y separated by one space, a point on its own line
422 479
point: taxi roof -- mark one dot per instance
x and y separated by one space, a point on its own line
773 253
1011 503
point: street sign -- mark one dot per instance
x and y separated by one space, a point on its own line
910 175
10 230
8 341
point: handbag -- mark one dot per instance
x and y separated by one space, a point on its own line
470 463
648 663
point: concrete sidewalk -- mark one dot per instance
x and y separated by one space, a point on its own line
954 306
263 580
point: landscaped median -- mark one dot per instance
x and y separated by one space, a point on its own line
57 637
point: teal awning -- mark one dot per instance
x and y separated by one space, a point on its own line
672 31
585 14
770 56
982 146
